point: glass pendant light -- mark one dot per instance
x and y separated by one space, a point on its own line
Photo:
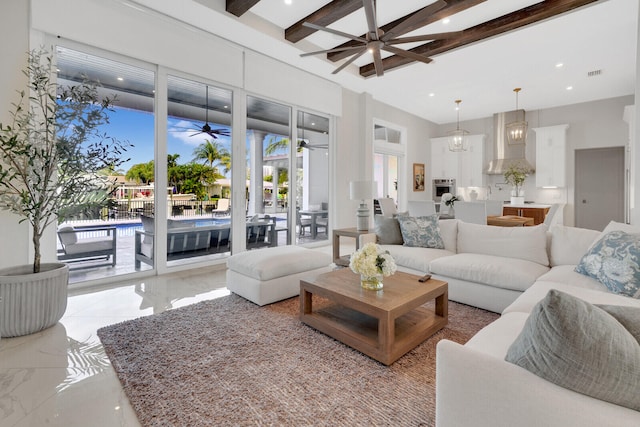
517 130
458 140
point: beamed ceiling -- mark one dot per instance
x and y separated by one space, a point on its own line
495 46
339 9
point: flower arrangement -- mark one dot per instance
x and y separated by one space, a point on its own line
515 175
449 199
371 261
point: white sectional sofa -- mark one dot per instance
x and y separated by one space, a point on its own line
509 270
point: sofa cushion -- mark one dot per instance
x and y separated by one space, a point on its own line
566 274
568 244
387 230
496 338
581 347
449 234
526 243
619 226
415 258
614 261
507 273
421 231
538 290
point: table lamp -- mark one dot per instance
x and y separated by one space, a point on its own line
361 190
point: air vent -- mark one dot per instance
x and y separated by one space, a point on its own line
594 73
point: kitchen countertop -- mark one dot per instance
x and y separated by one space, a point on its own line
527 205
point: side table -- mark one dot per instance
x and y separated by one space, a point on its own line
345 232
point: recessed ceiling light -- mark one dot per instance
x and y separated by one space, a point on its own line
288 1
569 87
432 94
559 65
313 123
120 79
226 106
445 21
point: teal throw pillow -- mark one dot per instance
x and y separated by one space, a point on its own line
581 347
421 231
614 262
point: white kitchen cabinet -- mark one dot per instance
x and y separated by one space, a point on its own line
550 155
444 163
466 167
471 164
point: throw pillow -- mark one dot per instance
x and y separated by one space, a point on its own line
422 231
614 262
67 235
387 230
581 347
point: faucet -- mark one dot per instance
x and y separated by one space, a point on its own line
488 192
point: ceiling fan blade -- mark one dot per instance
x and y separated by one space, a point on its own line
350 60
370 12
337 49
332 31
426 37
377 62
407 54
414 20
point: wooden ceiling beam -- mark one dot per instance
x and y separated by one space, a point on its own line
520 18
326 15
239 7
453 7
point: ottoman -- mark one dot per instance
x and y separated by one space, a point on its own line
272 274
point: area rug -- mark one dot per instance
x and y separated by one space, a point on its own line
228 362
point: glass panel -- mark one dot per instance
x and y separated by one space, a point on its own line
198 171
268 137
131 189
312 180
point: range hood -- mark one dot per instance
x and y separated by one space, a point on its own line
505 154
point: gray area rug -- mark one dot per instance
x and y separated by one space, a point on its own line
228 362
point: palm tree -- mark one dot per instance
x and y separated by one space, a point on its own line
276 145
213 154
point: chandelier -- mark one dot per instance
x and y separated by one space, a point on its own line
458 140
517 130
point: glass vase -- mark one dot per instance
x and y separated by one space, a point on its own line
372 283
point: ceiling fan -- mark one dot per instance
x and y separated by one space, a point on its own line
377 40
206 128
304 144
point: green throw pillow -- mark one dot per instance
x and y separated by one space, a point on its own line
615 262
581 347
421 231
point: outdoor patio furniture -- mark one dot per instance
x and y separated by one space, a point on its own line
84 244
222 208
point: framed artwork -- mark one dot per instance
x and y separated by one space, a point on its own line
418 177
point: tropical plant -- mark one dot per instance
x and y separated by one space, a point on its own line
214 155
52 150
515 175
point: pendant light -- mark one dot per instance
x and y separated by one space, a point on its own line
517 130
458 140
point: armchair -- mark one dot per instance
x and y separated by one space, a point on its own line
81 244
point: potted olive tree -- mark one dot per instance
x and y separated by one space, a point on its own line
50 154
515 175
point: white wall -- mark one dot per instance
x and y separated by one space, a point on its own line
14 30
591 125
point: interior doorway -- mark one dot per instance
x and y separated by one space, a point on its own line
599 196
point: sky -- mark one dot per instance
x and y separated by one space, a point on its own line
137 127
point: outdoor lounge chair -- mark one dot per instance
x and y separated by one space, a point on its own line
222 208
80 244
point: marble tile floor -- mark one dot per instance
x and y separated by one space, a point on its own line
62 377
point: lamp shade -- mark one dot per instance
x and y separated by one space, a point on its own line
360 190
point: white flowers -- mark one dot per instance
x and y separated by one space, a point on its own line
371 260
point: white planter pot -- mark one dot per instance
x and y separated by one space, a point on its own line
32 302
517 200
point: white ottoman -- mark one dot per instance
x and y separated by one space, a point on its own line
272 274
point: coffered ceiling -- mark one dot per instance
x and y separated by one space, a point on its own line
501 44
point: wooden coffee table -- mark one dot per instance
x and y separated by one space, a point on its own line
383 324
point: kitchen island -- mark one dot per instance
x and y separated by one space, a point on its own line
530 210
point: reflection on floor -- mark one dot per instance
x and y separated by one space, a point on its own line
62 377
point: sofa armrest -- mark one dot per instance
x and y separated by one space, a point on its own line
363 239
476 389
